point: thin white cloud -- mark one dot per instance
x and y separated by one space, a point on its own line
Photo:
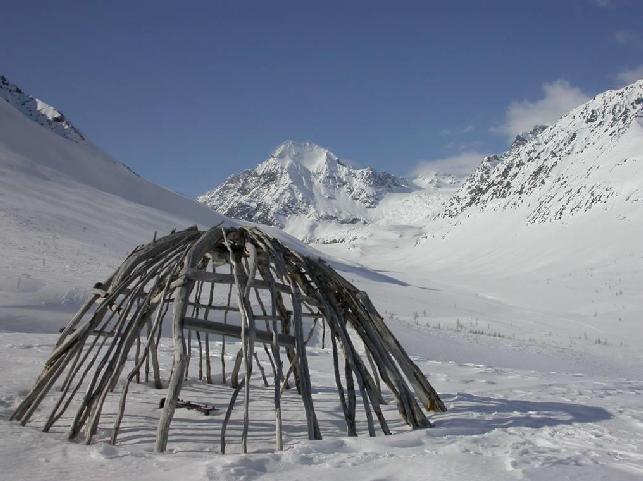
629 76
460 130
602 3
628 38
459 164
559 97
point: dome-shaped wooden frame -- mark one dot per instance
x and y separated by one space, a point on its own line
126 314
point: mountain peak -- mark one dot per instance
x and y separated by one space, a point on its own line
302 179
308 154
39 111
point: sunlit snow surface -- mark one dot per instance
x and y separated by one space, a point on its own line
503 422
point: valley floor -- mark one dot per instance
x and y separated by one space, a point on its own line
519 408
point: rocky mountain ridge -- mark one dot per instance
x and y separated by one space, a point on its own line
39 111
303 179
586 160
573 166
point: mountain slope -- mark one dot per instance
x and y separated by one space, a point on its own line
310 193
580 163
39 111
301 178
549 234
68 214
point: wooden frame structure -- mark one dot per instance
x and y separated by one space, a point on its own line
274 287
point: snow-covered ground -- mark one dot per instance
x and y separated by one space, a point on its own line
526 401
531 332
517 410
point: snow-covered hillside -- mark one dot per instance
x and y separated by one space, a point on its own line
302 179
39 111
68 212
587 160
549 231
310 193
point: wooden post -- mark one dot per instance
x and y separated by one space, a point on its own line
247 327
264 270
208 361
136 358
147 357
228 413
208 364
306 395
352 399
223 340
261 370
234 375
181 296
189 353
198 338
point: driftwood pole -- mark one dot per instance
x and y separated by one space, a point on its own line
223 339
306 395
181 295
247 330
277 364
208 362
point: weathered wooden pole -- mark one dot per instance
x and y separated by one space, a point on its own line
181 296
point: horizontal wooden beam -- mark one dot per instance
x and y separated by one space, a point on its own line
313 315
230 330
218 278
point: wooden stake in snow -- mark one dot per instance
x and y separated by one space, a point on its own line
163 281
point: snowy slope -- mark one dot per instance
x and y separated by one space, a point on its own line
69 213
548 233
302 179
578 164
39 111
310 193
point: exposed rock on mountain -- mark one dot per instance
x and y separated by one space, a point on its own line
303 179
39 111
582 162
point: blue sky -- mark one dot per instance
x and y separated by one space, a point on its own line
188 93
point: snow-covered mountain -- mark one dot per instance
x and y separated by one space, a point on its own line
553 225
303 179
583 161
586 160
39 111
68 211
311 193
